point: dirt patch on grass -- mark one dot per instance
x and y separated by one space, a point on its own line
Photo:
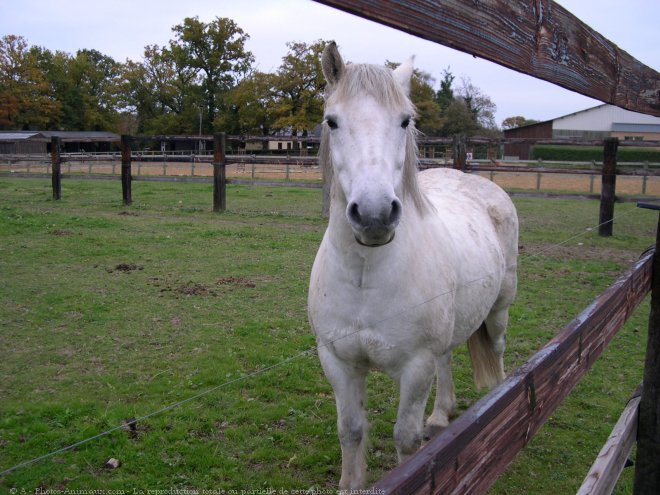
240 281
194 289
125 268
202 289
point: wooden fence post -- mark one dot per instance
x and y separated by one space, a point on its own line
608 189
647 465
56 162
458 145
126 169
219 173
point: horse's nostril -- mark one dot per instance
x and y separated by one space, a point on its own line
395 212
354 213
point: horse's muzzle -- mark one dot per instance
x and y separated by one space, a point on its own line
374 227
375 243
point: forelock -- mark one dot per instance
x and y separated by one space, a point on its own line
375 81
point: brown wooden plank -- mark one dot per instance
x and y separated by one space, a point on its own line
608 188
219 173
605 471
539 38
126 179
469 455
56 170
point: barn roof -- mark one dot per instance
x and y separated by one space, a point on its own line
22 136
67 136
81 136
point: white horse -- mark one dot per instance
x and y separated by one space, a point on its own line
400 303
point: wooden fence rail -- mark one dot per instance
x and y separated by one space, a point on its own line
608 174
470 454
611 460
539 38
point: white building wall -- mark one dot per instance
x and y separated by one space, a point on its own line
601 118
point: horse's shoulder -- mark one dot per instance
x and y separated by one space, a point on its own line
446 187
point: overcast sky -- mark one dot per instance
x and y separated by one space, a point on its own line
122 28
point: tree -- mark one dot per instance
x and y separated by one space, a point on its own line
429 118
216 51
93 79
458 118
464 110
298 85
480 105
253 102
165 95
55 67
445 95
517 121
25 98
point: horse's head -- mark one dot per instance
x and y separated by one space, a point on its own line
368 125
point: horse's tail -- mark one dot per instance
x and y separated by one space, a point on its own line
486 364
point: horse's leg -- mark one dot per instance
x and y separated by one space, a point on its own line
414 387
445 397
498 318
349 385
496 324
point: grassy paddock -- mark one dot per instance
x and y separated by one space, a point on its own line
109 313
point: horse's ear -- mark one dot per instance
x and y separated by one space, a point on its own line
333 65
403 73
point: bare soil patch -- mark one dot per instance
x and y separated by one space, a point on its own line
125 268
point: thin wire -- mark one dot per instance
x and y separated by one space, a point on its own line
586 231
279 364
160 411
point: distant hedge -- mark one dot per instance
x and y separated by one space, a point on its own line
589 153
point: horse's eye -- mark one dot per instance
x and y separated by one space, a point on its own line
332 123
406 122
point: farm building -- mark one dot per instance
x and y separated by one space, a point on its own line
17 142
593 123
84 141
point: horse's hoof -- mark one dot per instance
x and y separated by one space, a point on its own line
431 431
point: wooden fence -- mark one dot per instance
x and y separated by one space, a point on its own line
459 161
469 455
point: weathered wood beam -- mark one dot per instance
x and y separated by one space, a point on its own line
471 453
611 460
536 37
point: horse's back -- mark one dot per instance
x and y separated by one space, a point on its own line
446 188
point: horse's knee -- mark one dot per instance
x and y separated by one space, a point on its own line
496 325
352 431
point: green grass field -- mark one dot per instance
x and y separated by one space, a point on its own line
110 313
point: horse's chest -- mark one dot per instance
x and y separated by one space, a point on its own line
369 321
367 349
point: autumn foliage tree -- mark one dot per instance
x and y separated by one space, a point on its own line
26 100
201 81
298 84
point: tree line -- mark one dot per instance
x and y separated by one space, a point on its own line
202 81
